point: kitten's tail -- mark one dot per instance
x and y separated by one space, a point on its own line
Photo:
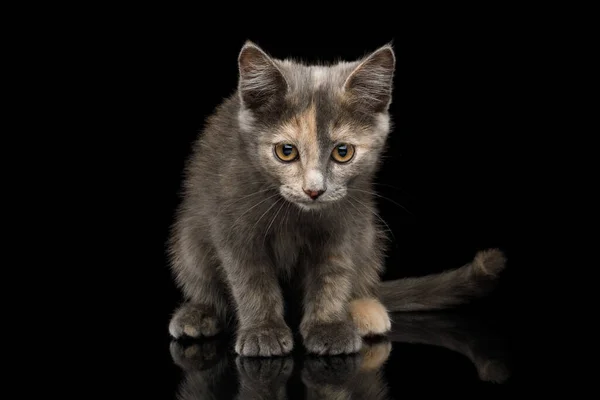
447 289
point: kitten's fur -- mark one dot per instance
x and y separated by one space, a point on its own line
246 219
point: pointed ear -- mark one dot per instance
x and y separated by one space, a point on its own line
370 84
261 81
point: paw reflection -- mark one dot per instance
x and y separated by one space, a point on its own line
265 369
264 378
375 353
196 355
355 376
206 366
330 370
213 370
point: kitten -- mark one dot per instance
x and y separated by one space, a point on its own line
279 185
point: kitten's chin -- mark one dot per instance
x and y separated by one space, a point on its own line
309 206
306 205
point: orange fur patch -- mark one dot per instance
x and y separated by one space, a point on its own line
301 130
370 317
191 331
307 123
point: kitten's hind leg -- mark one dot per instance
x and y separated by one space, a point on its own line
370 317
194 320
196 269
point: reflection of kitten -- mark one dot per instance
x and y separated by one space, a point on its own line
279 186
209 371
209 374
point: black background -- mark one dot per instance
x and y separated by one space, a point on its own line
462 95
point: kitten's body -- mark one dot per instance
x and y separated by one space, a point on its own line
249 219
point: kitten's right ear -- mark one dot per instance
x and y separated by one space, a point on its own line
261 81
370 84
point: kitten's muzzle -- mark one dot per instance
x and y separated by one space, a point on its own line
313 194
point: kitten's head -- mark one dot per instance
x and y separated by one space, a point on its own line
315 130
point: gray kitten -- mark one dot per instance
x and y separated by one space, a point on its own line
280 186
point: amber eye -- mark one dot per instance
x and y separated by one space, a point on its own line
286 152
343 153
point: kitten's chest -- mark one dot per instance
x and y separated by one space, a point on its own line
286 249
292 247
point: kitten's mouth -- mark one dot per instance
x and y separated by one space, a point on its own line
310 205
304 203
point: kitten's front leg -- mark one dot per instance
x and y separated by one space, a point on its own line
262 330
326 325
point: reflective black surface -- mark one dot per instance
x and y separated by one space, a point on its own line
425 353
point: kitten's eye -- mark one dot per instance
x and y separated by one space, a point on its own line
286 152
343 153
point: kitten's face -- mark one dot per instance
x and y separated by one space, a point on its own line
317 129
315 160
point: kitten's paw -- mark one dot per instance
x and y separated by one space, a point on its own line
274 339
332 338
194 320
334 370
196 356
370 317
265 370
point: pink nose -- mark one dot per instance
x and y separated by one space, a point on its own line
313 194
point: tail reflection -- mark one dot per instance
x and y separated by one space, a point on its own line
457 333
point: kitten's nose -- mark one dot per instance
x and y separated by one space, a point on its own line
313 194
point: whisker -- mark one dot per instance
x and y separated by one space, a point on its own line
251 194
261 217
383 197
287 212
248 210
356 208
388 185
376 214
273 219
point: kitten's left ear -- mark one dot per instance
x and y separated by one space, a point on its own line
370 84
261 81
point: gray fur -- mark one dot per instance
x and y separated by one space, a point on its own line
447 289
245 220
